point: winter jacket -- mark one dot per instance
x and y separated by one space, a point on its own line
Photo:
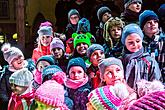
70 29
138 66
37 53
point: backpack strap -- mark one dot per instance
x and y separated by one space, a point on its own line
147 62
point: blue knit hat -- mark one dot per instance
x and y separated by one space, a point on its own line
146 16
129 29
50 70
161 11
92 48
83 26
47 58
45 31
76 62
101 11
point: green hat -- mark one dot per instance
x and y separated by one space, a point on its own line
81 38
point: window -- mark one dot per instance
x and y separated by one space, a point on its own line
4 9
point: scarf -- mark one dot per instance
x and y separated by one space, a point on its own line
132 73
130 15
75 84
38 77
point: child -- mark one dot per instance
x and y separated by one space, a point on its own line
73 18
112 74
132 10
103 14
44 40
77 83
112 35
95 53
50 95
54 72
137 64
81 43
41 63
57 49
16 61
22 95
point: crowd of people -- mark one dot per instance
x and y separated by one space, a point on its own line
119 67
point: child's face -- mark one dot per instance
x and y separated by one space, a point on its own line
135 7
82 48
76 73
133 42
18 63
113 75
41 65
74 19
18 90
151 27
96 56
115 32
106 16
46 40
57 53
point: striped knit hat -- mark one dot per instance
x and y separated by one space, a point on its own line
51 93
153 101
103 99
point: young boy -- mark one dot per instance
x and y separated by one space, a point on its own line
95 53
77 83
22 95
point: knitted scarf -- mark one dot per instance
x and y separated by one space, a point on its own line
75 84
132 73
130 16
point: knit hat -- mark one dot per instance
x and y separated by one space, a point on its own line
22 77
107 62
73 12
47 58
103 99
10 53
153 101
83 26
101 11
128 2
50 93
129 29
92 48
81 38
57 43
146 16
53 71
45 31
76 62
46 23
161 11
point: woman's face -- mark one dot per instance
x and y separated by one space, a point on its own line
18 63
151 27
113 74
57 53
135 7
74 19
46 40
133 42
82 48
96 56
115 32
76 73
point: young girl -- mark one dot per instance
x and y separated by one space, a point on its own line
112 35
81 43
77 83
44 40
112 74
137 64
15 59
22 95
49 96
57 49
41 63
95 53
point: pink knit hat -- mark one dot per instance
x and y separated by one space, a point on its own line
103 99
51 93
153 101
